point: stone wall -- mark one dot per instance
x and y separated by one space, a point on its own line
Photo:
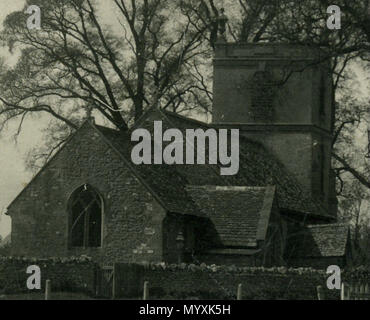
229 259
132 219
184 281
318 263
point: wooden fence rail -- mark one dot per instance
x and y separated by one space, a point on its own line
355 291
349 291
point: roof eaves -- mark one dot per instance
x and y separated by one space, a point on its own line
291 212
232 251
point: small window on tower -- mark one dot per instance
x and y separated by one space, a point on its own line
322 95
262 96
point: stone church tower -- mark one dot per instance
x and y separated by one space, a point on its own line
281 96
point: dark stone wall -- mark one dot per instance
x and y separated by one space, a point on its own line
218 282
318 263
132 219
223 285
230 260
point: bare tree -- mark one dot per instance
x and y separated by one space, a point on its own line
304 22
159 53
76 65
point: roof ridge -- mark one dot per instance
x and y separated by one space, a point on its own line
174 114
143 116
108 128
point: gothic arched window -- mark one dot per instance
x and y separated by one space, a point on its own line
262 96
85 210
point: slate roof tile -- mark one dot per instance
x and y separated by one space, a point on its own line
258 167
235 212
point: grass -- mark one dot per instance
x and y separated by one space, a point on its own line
41 296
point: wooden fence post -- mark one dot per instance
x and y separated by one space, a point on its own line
344 293
114 282
355 291
362 291
239 295
146 291
97 281
320 293
48 290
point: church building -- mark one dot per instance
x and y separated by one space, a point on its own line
280 209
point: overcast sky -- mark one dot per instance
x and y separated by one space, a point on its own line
12 173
